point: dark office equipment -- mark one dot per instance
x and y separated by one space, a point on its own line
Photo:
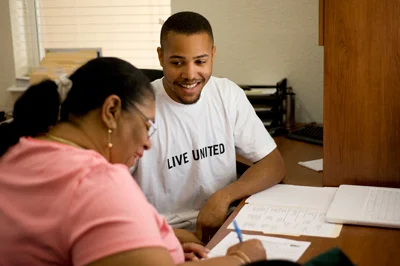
153 74
2 116
311 133
289 107
274 105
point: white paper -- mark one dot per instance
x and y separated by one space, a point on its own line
315 165
261 108
284 220
260 91
276 248
295 196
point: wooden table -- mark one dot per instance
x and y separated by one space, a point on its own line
365 246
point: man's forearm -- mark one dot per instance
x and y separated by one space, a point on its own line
264 174
184 236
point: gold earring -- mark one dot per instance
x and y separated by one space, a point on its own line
109 139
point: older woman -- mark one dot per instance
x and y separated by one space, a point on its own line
66 195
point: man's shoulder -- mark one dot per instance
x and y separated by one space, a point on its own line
222 83
157 85
224 86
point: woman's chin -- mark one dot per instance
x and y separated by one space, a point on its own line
131 161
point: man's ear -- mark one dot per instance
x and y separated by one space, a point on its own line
214 50
111 111
160 56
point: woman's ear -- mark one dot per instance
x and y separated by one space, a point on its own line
111 111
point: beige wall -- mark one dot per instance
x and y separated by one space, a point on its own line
7 70
258 41
262 41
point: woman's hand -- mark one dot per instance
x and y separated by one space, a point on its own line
194 252
192 246
249 251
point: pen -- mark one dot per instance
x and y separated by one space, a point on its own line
237 230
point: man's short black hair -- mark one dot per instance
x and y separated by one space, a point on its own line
187 23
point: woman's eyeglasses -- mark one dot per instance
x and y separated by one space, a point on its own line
153 128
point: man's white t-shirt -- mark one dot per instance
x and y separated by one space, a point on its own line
193 150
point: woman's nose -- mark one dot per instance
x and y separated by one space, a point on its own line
147 144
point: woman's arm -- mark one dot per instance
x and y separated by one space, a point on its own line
160 256
239 254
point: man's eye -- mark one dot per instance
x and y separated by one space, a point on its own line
176 63
201 62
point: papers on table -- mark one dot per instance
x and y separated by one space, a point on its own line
315 165
282 220
295 196
276 248
289 210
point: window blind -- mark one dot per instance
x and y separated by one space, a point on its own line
128 29
24 35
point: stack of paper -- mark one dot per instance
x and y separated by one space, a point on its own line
289 210
276 248
316 165
260 91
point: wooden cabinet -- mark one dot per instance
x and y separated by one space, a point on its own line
361 41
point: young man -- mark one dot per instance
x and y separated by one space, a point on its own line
190 174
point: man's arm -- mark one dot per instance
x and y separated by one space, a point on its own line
185 236
263 174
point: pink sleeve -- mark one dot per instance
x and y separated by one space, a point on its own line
109 214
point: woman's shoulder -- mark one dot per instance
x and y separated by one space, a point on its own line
60 160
